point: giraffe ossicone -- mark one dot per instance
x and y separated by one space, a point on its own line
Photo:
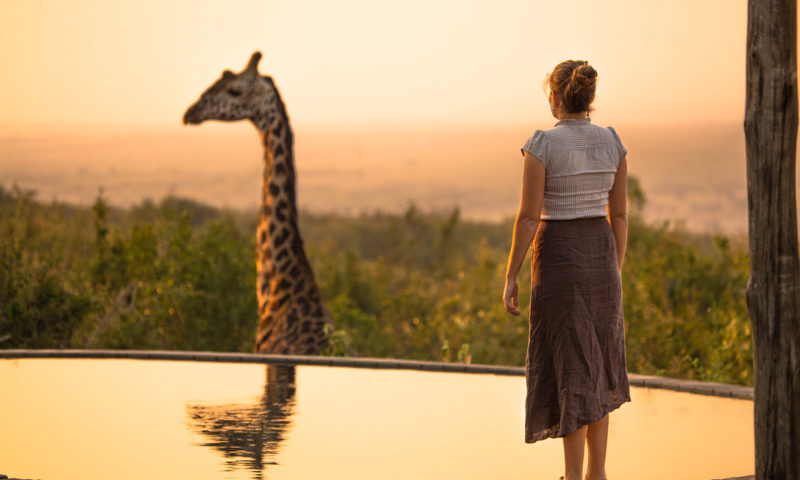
292 317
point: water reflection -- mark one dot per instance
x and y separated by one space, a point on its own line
330 422
249 435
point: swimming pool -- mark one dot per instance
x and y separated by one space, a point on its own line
77 418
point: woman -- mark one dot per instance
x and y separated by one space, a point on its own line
574 209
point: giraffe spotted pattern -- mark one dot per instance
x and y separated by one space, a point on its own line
292 317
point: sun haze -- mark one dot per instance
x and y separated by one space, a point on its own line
390 102
356 62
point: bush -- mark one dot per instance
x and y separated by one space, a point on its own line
420 285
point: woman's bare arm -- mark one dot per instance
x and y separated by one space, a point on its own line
525 226
618 210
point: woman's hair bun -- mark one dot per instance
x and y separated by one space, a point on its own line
584 73
574 81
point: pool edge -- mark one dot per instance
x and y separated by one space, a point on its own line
635 379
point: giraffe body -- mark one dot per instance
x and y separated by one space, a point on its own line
292 317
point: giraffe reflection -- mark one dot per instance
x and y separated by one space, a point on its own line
249 435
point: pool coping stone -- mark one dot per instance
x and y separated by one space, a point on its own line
635 379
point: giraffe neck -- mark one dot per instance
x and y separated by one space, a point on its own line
281 256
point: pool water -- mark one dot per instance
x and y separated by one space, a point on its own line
151 419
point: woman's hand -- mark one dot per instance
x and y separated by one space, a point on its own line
525 226
511 297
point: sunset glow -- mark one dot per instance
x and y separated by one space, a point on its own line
94 91
78 64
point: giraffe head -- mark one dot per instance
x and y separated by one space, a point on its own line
234 96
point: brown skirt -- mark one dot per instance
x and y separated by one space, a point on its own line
575 365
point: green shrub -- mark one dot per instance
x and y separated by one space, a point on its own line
419 285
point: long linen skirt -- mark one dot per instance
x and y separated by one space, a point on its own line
575 364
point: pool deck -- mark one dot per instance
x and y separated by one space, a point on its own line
648 381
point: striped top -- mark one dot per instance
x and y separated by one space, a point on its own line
580 161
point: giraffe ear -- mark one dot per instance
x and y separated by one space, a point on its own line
253 63
227 74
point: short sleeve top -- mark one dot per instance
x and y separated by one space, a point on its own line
581 161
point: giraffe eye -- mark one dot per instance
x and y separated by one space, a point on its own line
234 92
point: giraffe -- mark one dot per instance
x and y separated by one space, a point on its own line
292 317
250 435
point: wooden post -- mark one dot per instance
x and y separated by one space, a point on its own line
770 126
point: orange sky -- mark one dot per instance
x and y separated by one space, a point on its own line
77 64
